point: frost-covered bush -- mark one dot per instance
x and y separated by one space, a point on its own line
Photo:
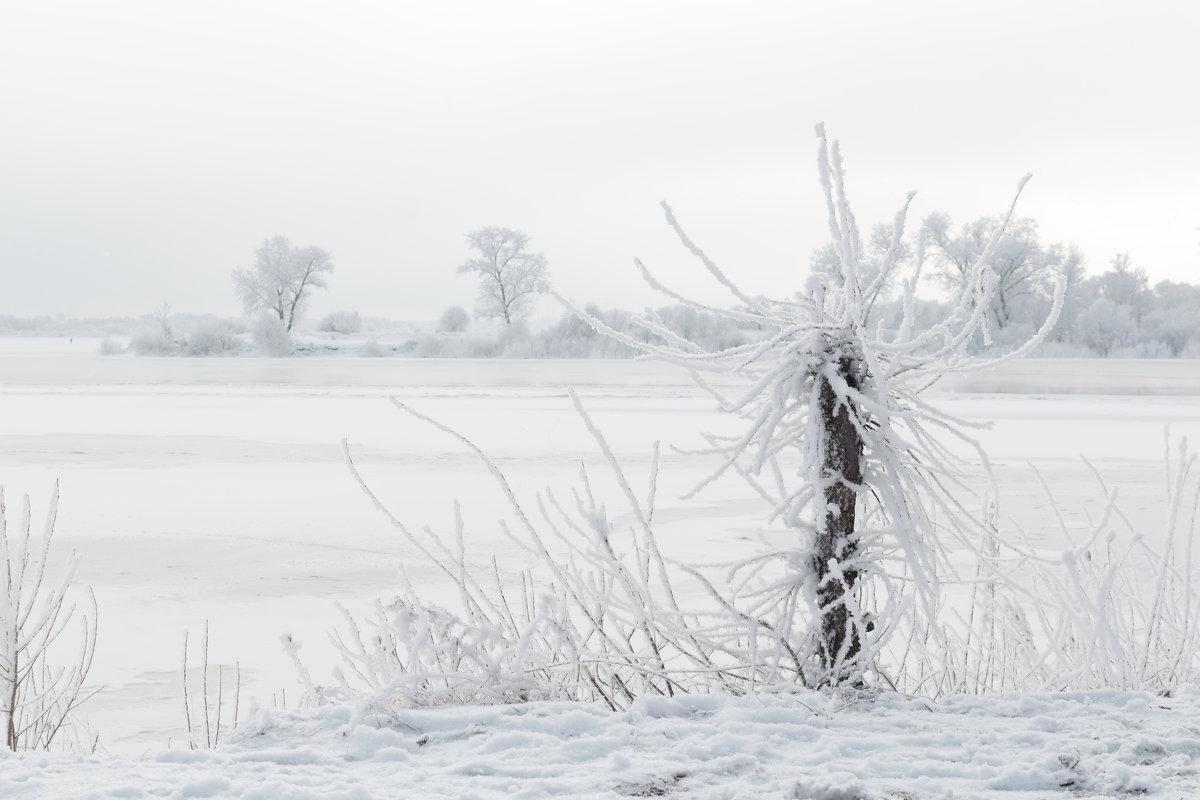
272 337
187 335
484 340
341 322
1109 610
596 619
419 655
1174 328
211 337
111 347
1104 326
159 338
42 667
571 337
455 319
703 328
154 343
440 345
373 349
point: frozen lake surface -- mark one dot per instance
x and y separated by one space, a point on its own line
216 490
39 361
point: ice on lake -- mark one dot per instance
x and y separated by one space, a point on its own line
216 490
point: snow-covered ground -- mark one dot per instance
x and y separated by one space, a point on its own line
803 747
215 491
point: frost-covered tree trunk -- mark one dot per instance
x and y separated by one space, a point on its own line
840 442
836 547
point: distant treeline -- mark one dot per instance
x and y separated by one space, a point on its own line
1114 314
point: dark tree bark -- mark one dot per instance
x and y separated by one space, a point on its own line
837 543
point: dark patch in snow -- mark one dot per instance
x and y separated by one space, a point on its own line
656 788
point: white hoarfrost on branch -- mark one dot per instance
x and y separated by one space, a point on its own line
597 620
38 691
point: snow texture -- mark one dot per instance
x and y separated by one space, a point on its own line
808 746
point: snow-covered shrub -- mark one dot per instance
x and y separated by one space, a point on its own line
1110 610
571 337
41 677
420 655
488 339
597 618
1104 326
1175 328
154 343
701 327
211 337
111 347
159 338
440 345
598 622
187 335
372 349
271 336
455 319
341 322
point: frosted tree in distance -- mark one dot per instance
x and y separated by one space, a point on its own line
510 276
282 278
841 443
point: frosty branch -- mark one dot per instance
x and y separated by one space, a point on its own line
38 695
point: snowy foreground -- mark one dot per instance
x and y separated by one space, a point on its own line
1017 747
208 495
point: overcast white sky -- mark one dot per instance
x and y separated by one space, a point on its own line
146 148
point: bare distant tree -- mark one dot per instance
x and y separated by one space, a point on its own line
280 280
511 277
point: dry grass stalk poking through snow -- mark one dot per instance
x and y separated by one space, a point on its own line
1111 610
597 620
203 724
38 694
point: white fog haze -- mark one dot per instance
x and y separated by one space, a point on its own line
540 399
147 148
